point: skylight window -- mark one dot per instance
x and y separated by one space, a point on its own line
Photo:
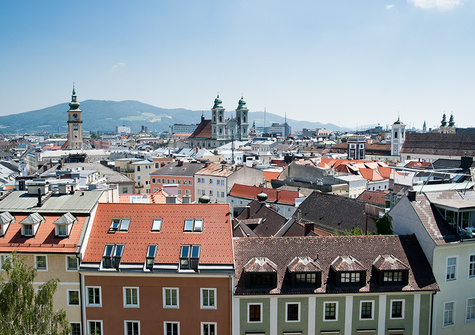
157 225
112 255
119 224
150 259
193 225
189 257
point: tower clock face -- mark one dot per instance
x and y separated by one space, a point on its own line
75 116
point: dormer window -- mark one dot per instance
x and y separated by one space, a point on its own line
390 270
63 225
157 225
112 255
260 273
348 271
304 272
5 220
119 225
30 224
189 257
193 225
150 259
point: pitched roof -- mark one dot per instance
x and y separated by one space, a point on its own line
269 225
439 144
217 170
326 249
203 130
370 174
178 169
374 197
44 240
334 213
273 195
215 239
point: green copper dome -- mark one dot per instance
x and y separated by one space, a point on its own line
218 103
74 105
242 104
398 121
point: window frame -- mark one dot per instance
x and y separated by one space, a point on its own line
403 306
361 310
471 266
158 226
75 323
325 314
89 325
131 288
150 258
94 304
68 292
165 323
249 312
46 263
467 308
164 293
444 324
455 274
67 263
131 321
287 311
215 291
215 324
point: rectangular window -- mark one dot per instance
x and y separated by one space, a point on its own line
350 277
470 309
366 310
75 328
195 225
159 181
210 193
451 269
254 312
94 327
150 259
292 312
392 276
153 180
71 263
131 297
471 267
73 298
28 230
305 278
397 309
157 224
211 181
171 328
62 230
119 224
208 328
132 327
112 255
190 183
208 298
41 263
449 311
170 297
330 308
93 296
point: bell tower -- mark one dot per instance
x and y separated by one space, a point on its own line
74 123
242 119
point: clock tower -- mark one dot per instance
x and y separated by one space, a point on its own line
74 123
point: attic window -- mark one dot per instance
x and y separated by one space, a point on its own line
112 255
189 257
157 224
30 224
119 224
5 220
350 277
392 276
150 259
194 225
63 225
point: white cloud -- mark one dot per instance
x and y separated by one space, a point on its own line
389 6
439 4
116 67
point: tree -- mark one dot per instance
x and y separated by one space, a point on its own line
22 311
384 225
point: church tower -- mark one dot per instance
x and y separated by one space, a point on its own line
218 123
398 136
74 123
242 120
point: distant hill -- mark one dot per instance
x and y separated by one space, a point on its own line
102 115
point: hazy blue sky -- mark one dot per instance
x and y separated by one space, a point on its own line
345 62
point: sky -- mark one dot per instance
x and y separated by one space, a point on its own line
346 62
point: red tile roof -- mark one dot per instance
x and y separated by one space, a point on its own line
269 175
273 195
215 239
370 174
203 130
44 240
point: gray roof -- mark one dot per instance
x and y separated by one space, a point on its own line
439 144
79 202
113 177
174 169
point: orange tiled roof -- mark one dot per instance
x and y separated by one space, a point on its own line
215 239
370 174
269 175
273 195
384 171
44 240
216 169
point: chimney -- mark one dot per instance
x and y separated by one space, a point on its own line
39 198
308 228
180 163
466 162
411 195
